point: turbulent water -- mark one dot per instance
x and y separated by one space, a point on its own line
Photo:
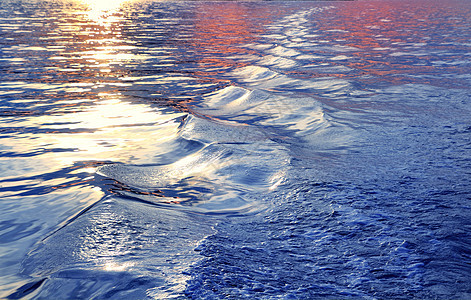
236 150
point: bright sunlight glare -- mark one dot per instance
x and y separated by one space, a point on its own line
102 8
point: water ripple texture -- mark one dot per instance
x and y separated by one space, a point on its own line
235 150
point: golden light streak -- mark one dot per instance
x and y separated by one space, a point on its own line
101 10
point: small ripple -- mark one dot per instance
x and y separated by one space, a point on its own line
255 73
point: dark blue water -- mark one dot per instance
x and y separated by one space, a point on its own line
235 150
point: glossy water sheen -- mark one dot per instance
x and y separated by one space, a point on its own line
259 150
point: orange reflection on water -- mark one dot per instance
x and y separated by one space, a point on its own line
79 113
222 28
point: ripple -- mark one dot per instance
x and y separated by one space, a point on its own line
242 149
255 73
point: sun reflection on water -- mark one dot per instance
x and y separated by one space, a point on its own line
102 10
106 131
81 113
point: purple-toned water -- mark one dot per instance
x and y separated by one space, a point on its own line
235 150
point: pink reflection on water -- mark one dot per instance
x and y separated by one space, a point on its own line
222 28
402 41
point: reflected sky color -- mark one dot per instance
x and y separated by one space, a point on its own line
394 43
222 29
123 122
87 112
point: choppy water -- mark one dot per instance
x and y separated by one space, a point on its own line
241 150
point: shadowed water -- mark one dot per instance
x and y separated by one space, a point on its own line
241 150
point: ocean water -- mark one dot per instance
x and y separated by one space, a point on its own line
235 150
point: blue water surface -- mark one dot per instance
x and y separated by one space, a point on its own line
235 150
